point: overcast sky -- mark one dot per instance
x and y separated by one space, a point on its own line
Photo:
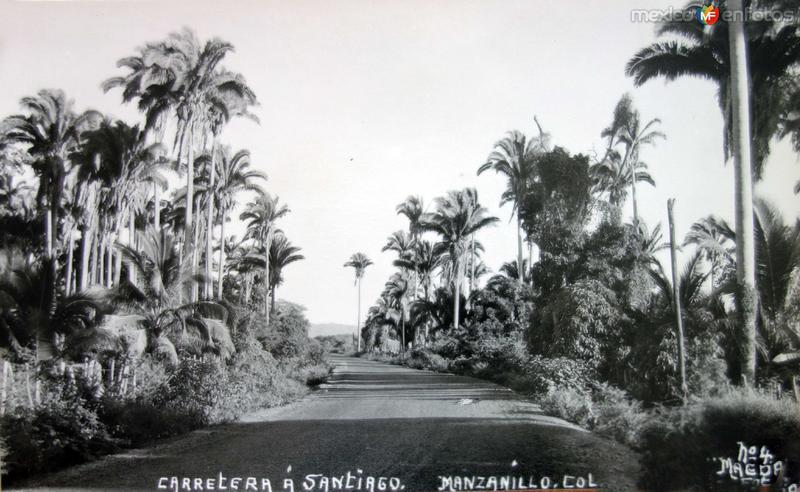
366 102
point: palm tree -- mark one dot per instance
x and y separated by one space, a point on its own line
706 52
458 215
759 60
115 158
413 209
511 270
156 295
627 130
398 290
261 217
614 179
234 176
359 262
514 156
401 243
710 235
30 319
50 130
281 254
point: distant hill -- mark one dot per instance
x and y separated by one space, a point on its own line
326 329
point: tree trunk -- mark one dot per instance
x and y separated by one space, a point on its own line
209 282
196 257
677 301
189 210
267 246
86 247
68 273
746 298
112 249
131 244
221 256
457 291
272 298
519 248
157 207
358 319
633 197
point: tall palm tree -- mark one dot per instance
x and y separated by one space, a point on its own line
260 218
749 64
514 156
413 209
628 130
706 52
50 129
458 215
116 158
281 254
359 262
233 177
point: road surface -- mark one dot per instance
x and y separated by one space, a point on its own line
387 426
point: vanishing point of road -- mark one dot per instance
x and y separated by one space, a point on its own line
428 430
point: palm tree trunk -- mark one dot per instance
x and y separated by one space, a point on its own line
209 283
267 245
457 291
677 301
272 298
117 253
221 255
358 319
131 243
746 298
97 261
472 266
195 256
633 199
157 207
68 273
86 247
48 233
189 210
519 248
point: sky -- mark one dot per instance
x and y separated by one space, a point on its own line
363 103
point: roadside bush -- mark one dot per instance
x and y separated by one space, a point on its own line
543 375
617 415
137 421
679 446
59 432
571 405
421 358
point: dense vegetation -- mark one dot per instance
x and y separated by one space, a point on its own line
661 358
126 312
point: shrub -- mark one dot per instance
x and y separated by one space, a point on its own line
571 405
542 375
316 374
617 415
137 421
680 444
60 431
421 358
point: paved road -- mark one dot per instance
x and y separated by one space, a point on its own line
373 420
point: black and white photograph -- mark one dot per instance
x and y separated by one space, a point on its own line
400 245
